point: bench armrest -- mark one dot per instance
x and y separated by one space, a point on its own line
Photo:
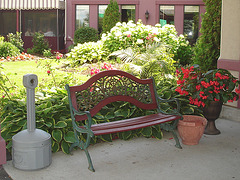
87 126
161 100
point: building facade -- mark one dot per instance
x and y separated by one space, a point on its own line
30 16
230 41
184 14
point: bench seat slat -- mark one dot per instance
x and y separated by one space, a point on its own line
131 124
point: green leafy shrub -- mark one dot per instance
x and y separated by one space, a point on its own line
166 89
207 49
111 16
16 40
87 53
39 44
184 54
85 34
8 49
47 53
137 36
140 36
154 62
1 38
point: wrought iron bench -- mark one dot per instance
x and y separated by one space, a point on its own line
86 100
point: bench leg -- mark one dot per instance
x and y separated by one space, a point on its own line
84 146
171 128
90 167
178 145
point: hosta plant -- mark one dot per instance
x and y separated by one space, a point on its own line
89 52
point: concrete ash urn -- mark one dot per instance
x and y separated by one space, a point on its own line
31 148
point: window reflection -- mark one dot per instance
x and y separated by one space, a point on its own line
82 16
191 23
8 22
42 22
101 11
128 13
166 15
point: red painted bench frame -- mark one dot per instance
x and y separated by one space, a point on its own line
78 114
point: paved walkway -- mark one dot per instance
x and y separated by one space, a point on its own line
216 157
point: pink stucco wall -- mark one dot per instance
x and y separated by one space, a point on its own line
152 6
2 149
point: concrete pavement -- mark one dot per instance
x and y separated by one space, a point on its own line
216 157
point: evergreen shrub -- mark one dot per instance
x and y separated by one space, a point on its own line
207 49
85 34
39 44
111 16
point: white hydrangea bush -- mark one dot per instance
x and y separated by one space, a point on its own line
125 35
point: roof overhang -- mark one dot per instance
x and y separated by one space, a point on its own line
31 4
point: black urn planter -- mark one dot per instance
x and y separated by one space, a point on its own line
211 113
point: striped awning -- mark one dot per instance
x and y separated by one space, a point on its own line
31 4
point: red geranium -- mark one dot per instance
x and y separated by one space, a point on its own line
203 87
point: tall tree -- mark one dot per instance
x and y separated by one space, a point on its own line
111 16
207 49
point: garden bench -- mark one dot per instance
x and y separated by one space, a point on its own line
86 100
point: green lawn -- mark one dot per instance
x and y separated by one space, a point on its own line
16 70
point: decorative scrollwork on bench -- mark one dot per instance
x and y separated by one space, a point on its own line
112 86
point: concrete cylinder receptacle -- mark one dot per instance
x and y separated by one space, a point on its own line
31 148
191 129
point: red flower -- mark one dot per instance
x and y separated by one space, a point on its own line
235 98
97 71
238 91
180 81
178 72
92 71
204 84
48 71
234 81
194 77
215 99
217 75
198 87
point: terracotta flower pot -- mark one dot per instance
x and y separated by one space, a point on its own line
191 129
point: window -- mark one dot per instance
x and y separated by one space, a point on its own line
128 13
191 23
166 15
8 22
82 16
43 22
101 11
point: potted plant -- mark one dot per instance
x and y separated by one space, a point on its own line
208 90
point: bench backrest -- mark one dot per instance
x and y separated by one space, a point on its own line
110 86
